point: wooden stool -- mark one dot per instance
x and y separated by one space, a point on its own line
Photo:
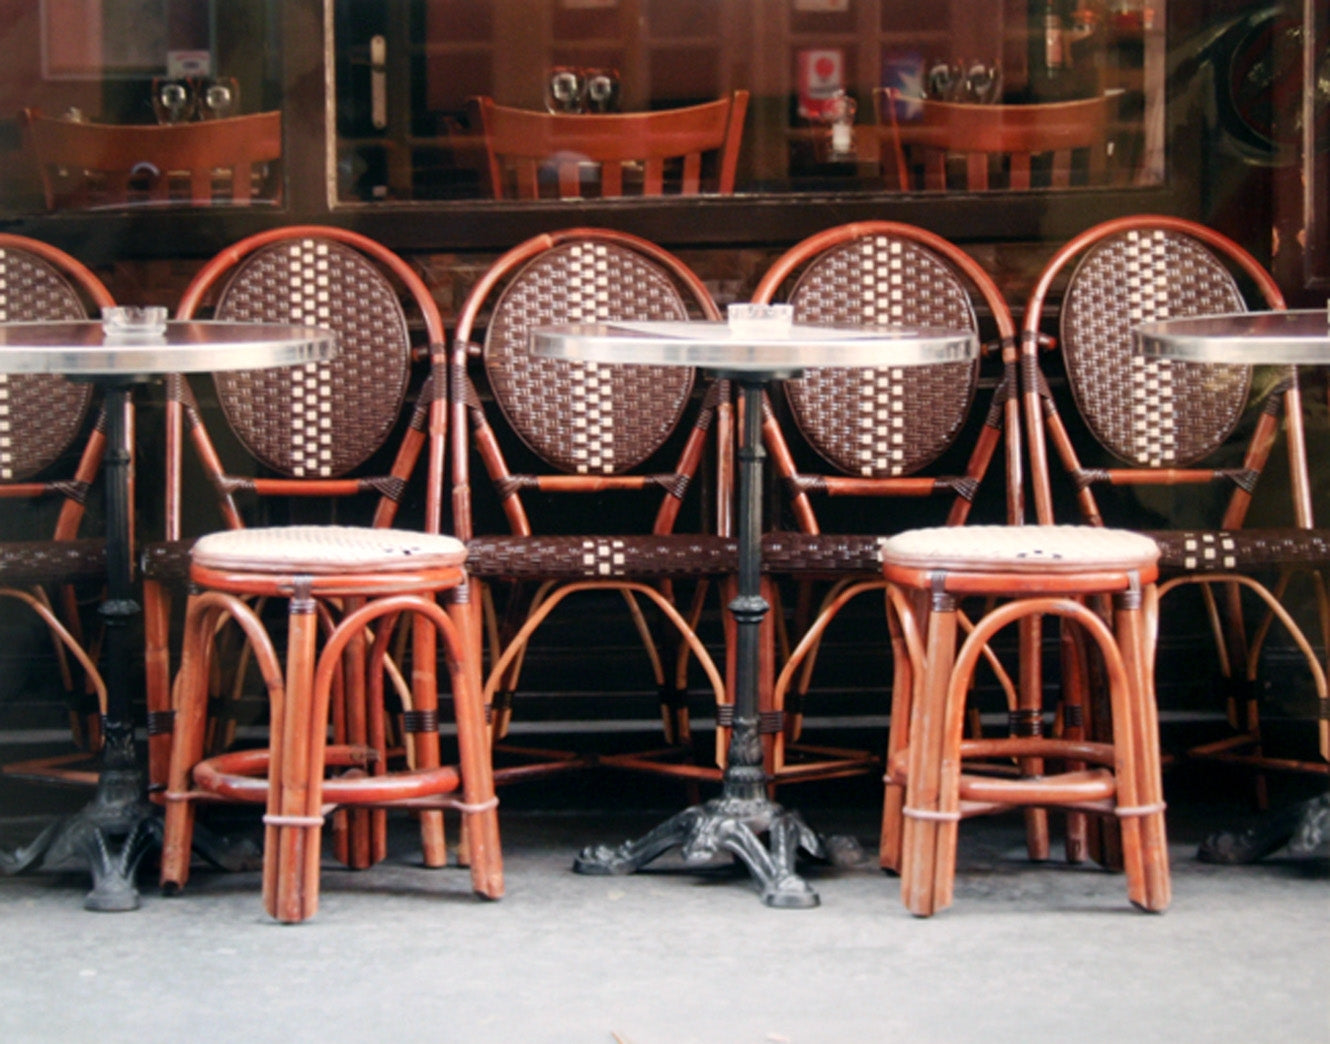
1037 571
376 575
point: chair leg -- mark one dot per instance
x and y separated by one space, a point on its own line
902 698
157 681
425 739
1145 844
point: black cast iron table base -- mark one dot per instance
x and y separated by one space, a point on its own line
1301 827
732 824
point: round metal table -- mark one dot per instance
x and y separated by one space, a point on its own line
1299 337
752 354
116 828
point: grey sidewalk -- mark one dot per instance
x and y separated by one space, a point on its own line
1032 953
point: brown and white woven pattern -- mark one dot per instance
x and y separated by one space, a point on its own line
1149 412
601 558
883 421
322 419
40 414
585 418
1209 551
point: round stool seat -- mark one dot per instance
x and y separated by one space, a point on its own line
1020 549
327 550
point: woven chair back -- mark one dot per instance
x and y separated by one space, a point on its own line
320 419
882 421
40 414
585 418
1149 412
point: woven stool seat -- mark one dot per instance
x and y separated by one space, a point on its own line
1020 549
1074 574
319 550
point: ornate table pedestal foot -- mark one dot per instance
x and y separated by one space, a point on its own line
1302 827
729 824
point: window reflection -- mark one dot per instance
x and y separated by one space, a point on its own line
408 73
125 102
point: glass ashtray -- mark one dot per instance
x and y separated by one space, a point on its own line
760 318
128 321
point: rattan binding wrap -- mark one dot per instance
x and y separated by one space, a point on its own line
1149 412
585 418
40 414
321 419
882 422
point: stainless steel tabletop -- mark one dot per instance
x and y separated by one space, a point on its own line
84 349
751 347
1298 337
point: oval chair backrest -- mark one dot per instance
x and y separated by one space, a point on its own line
585 418
321 419
1149 412
40 414
884 421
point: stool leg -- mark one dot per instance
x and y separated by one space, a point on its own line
931 804
1145 844
295 786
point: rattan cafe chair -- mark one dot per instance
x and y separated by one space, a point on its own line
877 437
577 455
51 453
1170 436
329 442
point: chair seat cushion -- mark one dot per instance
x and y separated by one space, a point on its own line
1208 551
601 557
24 562
1020 549
326 550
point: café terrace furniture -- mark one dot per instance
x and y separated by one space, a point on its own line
610 442
757 346
1159 428
1030 572
937 145
130 347
682 151
336 441
43 417
873 436
381 575
1293 338
86 164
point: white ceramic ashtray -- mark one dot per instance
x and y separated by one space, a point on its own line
760 318
129 321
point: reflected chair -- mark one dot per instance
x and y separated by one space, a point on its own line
50 453
334 441
621 445
939 145
534 155
1178 444
875 437
85 164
